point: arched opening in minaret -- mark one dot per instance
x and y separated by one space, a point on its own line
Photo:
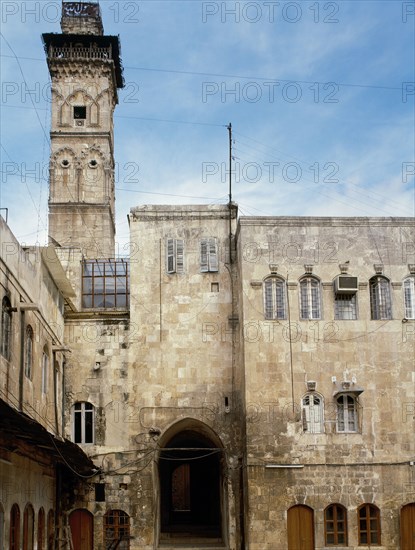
191 486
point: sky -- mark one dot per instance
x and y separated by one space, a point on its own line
320 95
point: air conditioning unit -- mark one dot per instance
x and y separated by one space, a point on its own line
344 284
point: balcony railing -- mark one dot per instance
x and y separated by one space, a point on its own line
78 52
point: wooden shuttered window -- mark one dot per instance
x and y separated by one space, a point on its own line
174 255
209 255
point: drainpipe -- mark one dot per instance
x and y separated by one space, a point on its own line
55 391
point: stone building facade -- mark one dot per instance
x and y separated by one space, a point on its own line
329 379
36 461
235 383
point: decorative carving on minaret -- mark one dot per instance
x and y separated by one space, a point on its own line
86 73
64 184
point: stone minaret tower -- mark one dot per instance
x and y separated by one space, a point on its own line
86 73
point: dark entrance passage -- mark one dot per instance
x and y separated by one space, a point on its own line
190 488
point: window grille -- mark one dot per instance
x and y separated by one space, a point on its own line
409 297
6 328
345 307
275 298
380 298
117 530
310 298
28 361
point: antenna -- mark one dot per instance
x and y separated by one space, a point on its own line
230 162
230 191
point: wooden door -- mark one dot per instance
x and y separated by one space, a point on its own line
408 527
300 528
81 523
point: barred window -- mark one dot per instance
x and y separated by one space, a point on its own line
105 284
117 530
275 298
380 298
369 524
409 297
28 356
6 328
310 298
45 370
335 525
345 307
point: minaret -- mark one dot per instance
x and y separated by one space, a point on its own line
86 72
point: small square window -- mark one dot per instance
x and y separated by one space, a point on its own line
79 113
214 287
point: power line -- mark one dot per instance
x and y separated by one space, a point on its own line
24 80
243 77
382 198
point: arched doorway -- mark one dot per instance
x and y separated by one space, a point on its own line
408 526
300 528
191 490
81 523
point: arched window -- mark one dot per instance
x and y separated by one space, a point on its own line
347 414
368 517
1 527
312 413
14 536
275 298
409 297
41 529
83 422
51 530
28 354
6 328
45 370
117 528
28 527
380 298
335 525
310 298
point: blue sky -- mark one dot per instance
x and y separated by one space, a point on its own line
320 96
